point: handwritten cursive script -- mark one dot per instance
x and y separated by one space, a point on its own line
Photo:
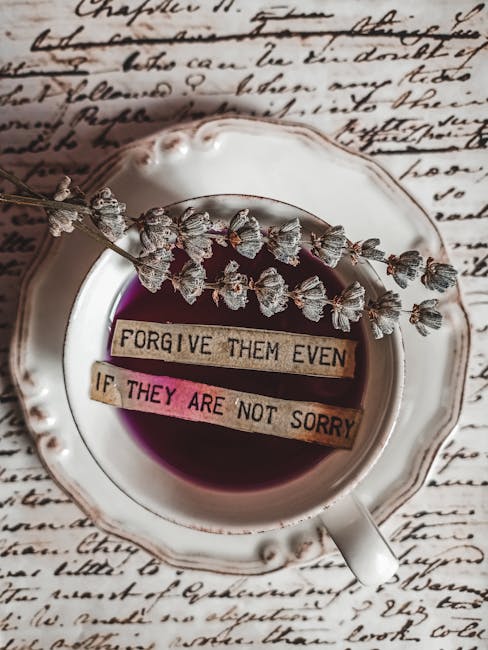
402 82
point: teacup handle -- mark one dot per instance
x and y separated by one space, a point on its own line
365 550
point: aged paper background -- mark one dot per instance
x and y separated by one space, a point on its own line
404 82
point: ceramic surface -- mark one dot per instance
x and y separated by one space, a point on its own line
287 162
171 497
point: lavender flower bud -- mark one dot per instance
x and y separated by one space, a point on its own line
245 235
329 246
220 229
284 241
108 214
310 296
153 268
437 276
404 267
62 220
63 190
190 282
425 316
348 307
384 313
158 230
193 228
271 292
232 287
367 249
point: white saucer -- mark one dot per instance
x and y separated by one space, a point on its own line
294 164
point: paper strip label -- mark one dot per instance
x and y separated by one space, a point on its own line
333 426
235 347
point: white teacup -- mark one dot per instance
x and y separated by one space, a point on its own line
326 491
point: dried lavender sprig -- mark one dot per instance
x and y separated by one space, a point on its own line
273 296
152 269
159 229
283 241
78 225
310 294
38 200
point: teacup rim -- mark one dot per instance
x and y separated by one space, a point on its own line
336 495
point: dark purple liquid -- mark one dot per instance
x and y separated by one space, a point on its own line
215 456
